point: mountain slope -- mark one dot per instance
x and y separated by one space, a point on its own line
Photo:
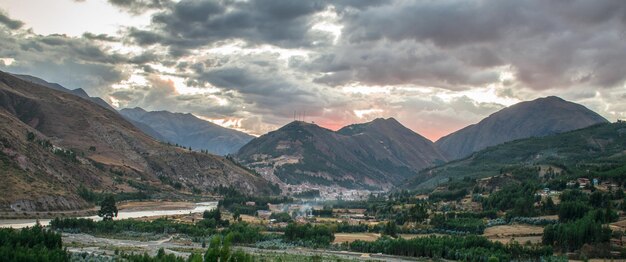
540 117
377 154
190 131
52 143
595 151
78 92
97 100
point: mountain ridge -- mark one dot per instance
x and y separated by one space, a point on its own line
53 143
78 91
366 155
188 130
539 117
577 152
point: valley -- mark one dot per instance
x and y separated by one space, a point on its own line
312 131
374 191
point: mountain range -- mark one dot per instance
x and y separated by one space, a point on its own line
597 151
377 154
189 131
53 143
540 117
182 129
97 100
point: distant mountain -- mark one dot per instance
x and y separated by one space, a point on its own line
540 117
189 131
78 92
377 154
53 143
598 151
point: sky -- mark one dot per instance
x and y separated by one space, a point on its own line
434 65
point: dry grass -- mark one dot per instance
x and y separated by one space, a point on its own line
513 230
519 233
351 237
619 225
250 219
328 219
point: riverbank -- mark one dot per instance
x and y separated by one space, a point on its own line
80 243
140 210
92 211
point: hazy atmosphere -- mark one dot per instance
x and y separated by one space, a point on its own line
436 66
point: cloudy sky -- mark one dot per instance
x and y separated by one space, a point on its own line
436 66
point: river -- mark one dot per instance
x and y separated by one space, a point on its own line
198 208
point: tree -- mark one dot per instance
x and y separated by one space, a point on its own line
30 136
213 253
161 253
108 209
391 229
570 211
549 206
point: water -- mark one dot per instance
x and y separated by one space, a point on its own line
198 208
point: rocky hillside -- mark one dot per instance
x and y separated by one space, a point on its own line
97 100
189 131
540 117
54 144
378 154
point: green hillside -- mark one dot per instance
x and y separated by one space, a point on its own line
598 151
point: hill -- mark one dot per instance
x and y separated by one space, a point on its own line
97 100
55 147
189 131
377 154
596 151
78 91
540 117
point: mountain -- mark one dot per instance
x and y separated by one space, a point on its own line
55 145
598 151
97 100
189 131
540 117
78 92
377 154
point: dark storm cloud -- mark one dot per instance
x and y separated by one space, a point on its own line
393 63
195 23
140 6
100 37
548 44
455 22
71 61
242 54
10 23
250 82
452 45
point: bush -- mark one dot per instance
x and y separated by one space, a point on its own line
31 244
464 248
569 211
158 226
309 235
573 235
281 217
471 225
